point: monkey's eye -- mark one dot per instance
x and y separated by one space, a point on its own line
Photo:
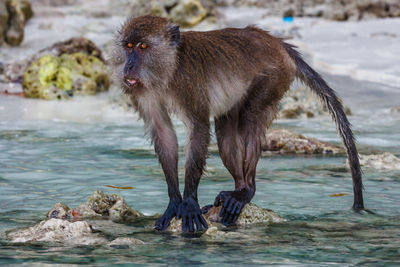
142 45
129 45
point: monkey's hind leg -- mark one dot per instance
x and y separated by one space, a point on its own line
239 136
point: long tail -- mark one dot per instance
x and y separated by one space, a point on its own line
311 78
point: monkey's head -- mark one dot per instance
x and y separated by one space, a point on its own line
146 53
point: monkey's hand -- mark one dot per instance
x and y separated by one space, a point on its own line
191 215
170 212
232 204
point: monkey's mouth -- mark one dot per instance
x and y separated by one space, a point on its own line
131 82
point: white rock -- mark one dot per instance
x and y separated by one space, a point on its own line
385 161
58 230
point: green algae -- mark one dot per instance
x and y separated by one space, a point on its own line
51 77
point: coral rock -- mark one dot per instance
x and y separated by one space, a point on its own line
283 141
385 161
58 230
52 77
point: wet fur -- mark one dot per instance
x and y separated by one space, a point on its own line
237 76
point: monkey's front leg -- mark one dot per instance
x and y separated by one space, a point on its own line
189 209
166 147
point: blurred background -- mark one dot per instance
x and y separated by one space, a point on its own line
66 130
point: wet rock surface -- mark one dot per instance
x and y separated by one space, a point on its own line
250 214
282 141
91 222
125 242
58 230
384 161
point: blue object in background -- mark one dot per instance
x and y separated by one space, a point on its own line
288 19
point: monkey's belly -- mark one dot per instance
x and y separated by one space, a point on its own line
223 97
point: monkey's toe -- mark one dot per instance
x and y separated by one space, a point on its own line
192 218
171 211
232 204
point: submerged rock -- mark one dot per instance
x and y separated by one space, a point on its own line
250 214
52 77
125 242
283 141
385 161
58 230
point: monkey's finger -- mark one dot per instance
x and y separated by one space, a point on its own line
198 224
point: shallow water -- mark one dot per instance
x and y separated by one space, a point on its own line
64 157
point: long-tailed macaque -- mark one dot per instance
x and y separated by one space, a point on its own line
237 76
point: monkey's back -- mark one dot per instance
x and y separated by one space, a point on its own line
222 64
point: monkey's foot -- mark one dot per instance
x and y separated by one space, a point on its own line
191 215
171 211
232 204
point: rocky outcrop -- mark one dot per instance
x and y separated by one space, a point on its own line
69 226
66 69
384 161
79 233
98 205
282 141
58 230
14 72
250 214
51 77
13 16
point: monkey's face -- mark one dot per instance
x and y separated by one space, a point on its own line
147 53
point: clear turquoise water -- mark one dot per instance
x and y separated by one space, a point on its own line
52 158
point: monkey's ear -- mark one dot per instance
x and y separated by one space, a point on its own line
174 34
